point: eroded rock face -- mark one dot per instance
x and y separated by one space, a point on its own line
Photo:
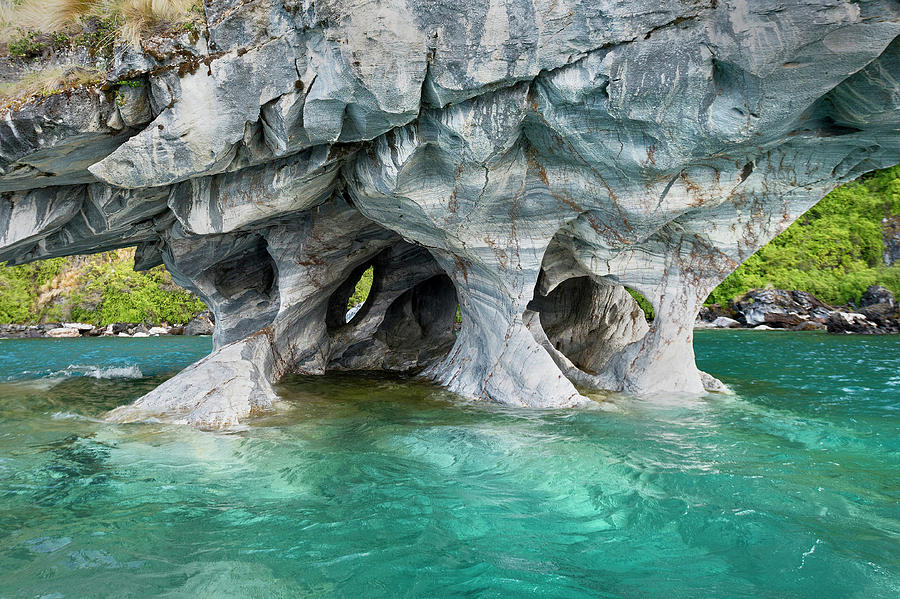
524 161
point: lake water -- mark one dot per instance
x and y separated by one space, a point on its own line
374 486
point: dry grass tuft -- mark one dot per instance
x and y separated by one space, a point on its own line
7 18
61 285
48 16
48 81
132 18
139 16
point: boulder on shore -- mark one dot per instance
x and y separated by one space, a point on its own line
202 324
851 322
723 322
781 308
876 295
879 307
120 327
63 332
709 314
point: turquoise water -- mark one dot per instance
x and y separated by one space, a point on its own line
379 487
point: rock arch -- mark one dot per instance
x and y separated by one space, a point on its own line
536 169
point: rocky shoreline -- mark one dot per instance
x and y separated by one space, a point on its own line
202 324
877 313
777 309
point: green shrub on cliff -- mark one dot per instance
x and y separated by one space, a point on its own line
99 289
19 287
834 251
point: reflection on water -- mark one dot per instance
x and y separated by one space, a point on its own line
378 486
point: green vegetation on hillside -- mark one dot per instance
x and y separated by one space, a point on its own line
19 289
363 286
99 289
834 251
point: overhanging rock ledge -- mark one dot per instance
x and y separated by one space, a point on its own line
524 160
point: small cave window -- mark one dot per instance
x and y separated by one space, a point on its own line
645 305
360 294
350 302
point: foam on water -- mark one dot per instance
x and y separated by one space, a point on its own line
93 371
108 372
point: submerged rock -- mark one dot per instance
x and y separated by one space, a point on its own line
525 163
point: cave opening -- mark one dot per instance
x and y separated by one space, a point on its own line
422 316
588 320
643 303
353 298
250 270
361 292
414 330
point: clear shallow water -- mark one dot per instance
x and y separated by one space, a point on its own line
376 487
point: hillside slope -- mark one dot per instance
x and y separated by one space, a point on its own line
834 251
99 289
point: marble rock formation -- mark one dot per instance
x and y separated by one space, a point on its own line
526 161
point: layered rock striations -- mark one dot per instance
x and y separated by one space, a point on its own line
524 161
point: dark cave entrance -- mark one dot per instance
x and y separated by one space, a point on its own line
251 270
589 320
422 319
407 320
